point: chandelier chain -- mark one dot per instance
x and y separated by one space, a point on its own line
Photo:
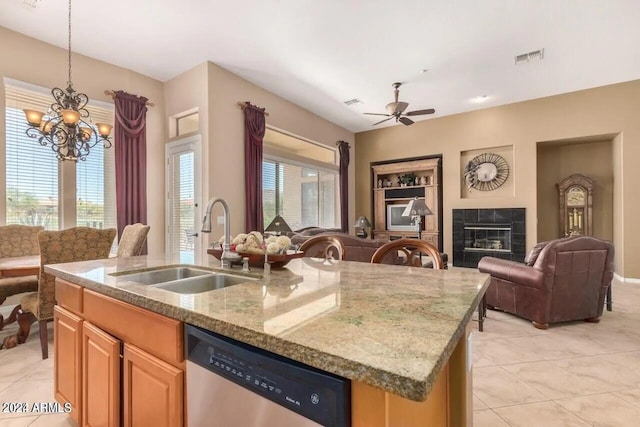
69 81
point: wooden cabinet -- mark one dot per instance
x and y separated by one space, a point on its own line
395 184
100 378
115 361
153 392
67 361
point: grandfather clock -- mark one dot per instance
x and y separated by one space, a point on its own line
575 195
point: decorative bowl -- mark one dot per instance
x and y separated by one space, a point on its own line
257 260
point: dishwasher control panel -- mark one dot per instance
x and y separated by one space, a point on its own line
317 395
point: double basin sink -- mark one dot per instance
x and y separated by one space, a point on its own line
185 280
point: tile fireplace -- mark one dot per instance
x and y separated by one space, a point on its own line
488 232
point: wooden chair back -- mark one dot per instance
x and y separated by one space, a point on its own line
409 252
327 247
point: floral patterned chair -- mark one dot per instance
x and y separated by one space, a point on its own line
19 240
132 239
71 245
16 241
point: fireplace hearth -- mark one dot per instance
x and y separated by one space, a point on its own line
488 232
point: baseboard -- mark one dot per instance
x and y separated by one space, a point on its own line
625 279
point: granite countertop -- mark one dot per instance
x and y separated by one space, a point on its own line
392 327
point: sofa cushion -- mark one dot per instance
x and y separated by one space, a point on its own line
532 256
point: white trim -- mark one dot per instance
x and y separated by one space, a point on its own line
619 278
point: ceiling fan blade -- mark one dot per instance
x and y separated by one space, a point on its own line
406 121
420 112
376 114
382 121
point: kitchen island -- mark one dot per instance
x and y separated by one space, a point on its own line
400 334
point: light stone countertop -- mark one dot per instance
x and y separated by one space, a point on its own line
392 327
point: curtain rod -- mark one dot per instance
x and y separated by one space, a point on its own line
112 94
244 105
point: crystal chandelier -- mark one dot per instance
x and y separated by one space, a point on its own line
66 125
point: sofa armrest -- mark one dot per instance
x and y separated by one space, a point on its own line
512 271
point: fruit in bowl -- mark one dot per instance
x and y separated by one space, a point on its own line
253 246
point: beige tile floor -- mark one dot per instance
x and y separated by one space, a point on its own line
575 374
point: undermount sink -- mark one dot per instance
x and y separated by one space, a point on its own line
185 280
209 282
154 277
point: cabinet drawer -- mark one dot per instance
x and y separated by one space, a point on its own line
156 334
69 296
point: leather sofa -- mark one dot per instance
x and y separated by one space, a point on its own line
562 280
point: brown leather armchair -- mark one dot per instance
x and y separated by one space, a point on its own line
567 281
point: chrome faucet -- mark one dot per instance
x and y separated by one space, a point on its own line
227 254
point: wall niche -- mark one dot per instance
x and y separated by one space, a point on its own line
505 190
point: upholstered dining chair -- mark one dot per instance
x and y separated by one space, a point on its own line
71 245
17 241
408 252
327 247
132 240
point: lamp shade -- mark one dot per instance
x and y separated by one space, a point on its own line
417 207
278 225
362 222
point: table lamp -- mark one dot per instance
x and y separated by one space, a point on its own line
362 223
416 209
278 226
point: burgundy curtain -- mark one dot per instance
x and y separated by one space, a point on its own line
254 127
343 149
131 160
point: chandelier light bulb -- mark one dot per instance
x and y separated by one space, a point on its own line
104 129
46 127
70 117
86 133
34 118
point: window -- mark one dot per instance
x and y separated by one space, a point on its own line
34 191
299 182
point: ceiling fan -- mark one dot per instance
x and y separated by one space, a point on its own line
396 109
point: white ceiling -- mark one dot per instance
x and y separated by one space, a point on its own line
321 53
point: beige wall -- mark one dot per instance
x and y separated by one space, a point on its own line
606 110
558 161
32 61
226 138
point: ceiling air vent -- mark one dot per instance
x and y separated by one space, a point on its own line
535 55
353 101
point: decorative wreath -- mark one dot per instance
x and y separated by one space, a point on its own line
486 172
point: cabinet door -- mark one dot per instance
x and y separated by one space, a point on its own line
153 390
100 378
67 360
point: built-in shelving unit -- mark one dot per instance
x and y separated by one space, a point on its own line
395 184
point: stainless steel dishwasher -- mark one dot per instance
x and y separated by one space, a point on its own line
234 384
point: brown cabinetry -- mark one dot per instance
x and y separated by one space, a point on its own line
67 361
153 393
104 352
395 184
